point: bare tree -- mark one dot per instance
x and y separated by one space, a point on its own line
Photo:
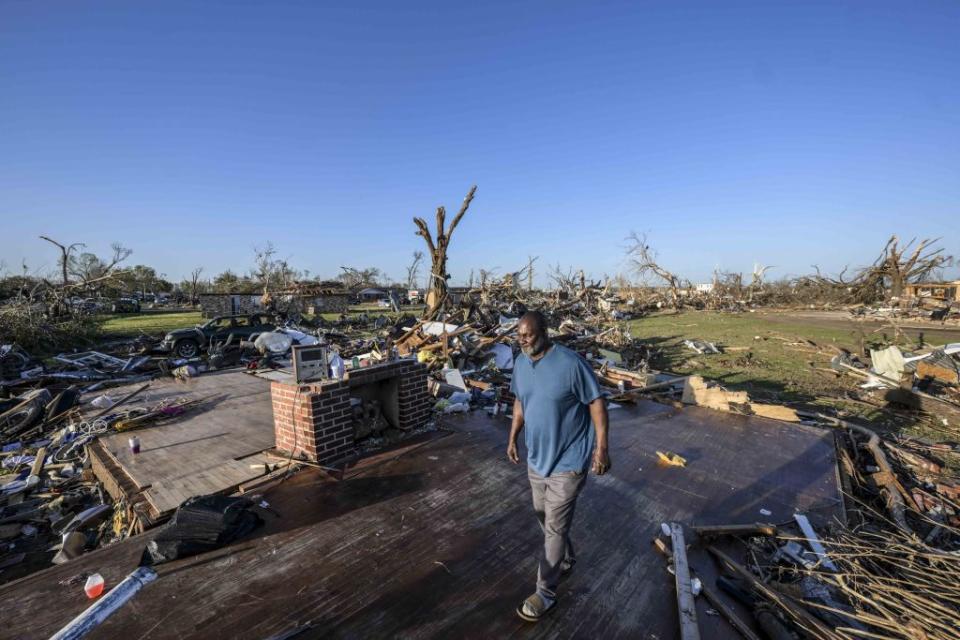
563 280
413 271
356 278
271 274
727 283
486 276
263 259
438 245
65 252
898 270
194 284
90 270
86 266
643 261
884 279
530 261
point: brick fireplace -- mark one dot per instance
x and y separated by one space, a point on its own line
316 421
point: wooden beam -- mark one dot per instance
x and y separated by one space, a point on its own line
685 599
651 387
714 599
38 462
755 529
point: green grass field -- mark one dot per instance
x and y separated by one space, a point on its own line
779 358
771 360
132 324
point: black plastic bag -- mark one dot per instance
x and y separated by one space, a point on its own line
203 523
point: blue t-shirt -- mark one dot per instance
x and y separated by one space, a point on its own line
554 392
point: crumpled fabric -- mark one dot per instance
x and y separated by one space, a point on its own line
12 461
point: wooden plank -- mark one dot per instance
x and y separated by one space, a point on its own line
714 598
165 496
655 386
727 612
756 529
39 461
775 412
689 630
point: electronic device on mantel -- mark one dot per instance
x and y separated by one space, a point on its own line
310 363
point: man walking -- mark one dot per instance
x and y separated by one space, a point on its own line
557 397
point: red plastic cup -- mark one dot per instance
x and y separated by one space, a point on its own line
94 586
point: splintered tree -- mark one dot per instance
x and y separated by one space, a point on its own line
643 260
886 278
898 267
437 245
66 252
87 268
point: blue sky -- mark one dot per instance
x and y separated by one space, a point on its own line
729 132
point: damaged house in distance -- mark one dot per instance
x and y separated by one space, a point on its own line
305 297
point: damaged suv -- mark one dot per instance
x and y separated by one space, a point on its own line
188 343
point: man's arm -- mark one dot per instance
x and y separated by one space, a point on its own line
601 456
515 428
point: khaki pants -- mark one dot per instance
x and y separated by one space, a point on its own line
554 501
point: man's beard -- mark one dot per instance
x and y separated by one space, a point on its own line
535 349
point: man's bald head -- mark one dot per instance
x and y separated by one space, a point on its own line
532 333
535 320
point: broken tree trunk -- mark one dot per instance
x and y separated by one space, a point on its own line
885 478
437 291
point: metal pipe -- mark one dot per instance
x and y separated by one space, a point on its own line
105 606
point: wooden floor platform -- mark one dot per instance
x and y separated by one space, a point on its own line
438 540
210 449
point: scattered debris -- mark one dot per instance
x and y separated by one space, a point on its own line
201 524
701 347
672 459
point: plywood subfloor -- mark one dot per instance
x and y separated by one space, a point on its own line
203 451
439 541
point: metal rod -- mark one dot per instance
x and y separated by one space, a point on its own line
100 610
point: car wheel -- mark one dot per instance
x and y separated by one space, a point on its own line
186 348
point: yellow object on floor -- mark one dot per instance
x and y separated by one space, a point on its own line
672 459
